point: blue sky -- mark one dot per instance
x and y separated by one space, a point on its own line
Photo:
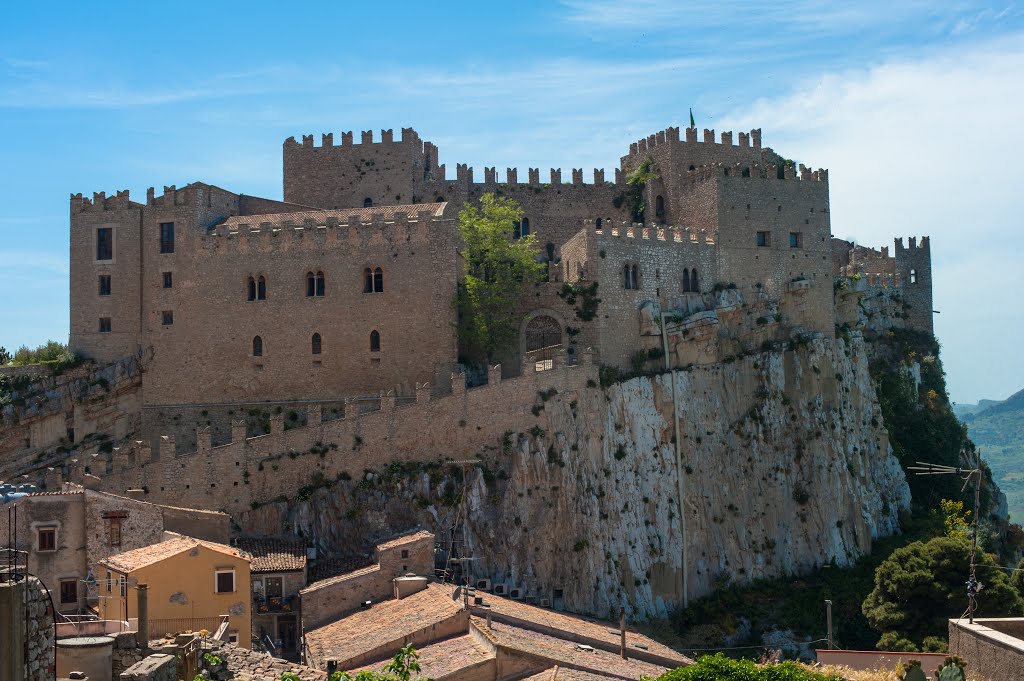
915 107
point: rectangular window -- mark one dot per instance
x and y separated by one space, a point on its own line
274 587
232 637
46 539
167 317
104 284
110 582
104 324
167 237
168 280
114 532
69 591
796 240
104 243
764 239
225 581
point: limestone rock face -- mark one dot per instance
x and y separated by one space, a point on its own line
786 466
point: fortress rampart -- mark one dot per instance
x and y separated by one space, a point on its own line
240 475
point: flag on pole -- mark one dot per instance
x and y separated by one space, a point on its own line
692 124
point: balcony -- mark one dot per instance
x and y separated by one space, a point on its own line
274 605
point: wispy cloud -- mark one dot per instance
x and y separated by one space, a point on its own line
33 261
924 147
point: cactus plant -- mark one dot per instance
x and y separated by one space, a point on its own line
913 672
952 669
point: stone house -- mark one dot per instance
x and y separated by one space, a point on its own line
278 574
65 533
192 583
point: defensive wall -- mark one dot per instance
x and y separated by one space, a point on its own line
908 269
246 472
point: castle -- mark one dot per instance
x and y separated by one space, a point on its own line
344 289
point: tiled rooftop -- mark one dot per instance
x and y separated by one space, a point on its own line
565 674
367 629
566 653
154 553
275 554
404 539
516 612
319 216
325 568
442 657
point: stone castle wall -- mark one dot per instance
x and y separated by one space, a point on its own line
241 475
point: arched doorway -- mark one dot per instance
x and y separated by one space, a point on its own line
542 338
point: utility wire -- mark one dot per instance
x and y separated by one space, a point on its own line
783 645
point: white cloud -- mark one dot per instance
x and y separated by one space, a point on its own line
928 147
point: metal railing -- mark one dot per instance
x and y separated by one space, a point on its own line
178 625
542 359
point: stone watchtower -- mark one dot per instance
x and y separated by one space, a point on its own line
348 175
914 272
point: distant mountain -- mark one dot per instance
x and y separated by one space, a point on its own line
997 427
962 410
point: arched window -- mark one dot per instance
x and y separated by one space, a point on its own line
694 284
686 280
440 199
316 344
261 288
526 226
374 341
367 202
625 276
257 347
659 206
598 223
310 285
252 289
367 280
517 229
319 283
634 278
378 280
913 276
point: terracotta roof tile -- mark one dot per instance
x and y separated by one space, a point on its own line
130 561
566 653
275 554
520 613
442 658
325 568
319 216
565 674
365 630
404 539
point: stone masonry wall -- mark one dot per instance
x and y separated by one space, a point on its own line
26 621
250 471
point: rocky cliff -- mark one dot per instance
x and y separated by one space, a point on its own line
787 466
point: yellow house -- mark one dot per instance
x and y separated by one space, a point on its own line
191 583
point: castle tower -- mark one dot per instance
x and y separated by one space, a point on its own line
349 175
914 270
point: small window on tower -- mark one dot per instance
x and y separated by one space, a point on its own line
167 317
913 276
104 284
367 202
764 239
261 288
105 243
168 280
796 240
167 237
104 324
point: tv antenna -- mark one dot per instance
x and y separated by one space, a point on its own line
926 468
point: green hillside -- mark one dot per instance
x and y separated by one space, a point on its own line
997 428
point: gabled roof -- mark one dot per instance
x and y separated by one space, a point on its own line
275 554
129 561
366 630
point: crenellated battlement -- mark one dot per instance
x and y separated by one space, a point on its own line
668 234
356 229
765 171
923 247
101 202
409 136
362 436
464 174
670 135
